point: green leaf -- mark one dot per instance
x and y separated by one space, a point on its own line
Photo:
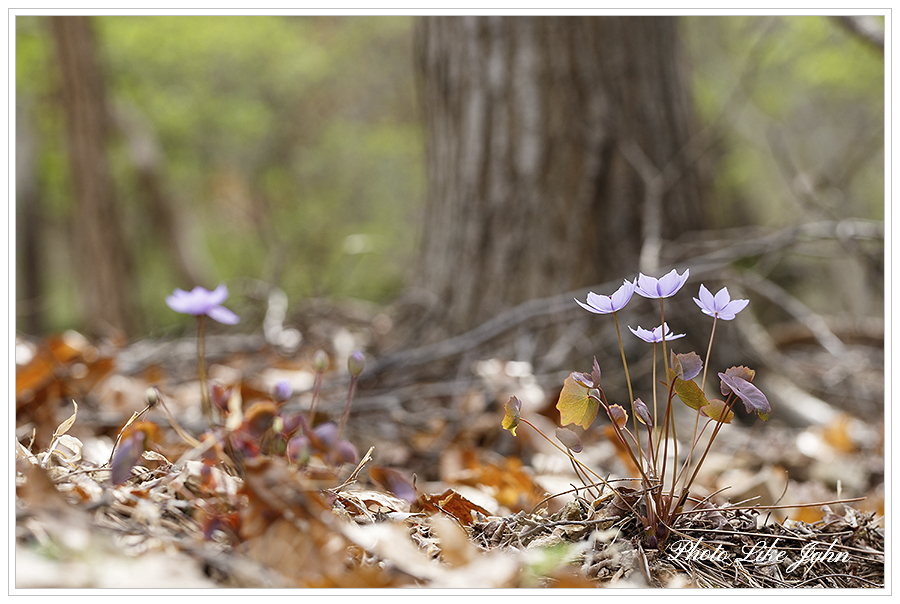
689 392
575 406
511 419
716 410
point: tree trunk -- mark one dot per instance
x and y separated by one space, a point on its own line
554 157
29 276
102 261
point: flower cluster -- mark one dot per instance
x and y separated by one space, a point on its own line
720 306
582 397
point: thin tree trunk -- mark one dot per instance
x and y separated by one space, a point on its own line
29 273
102 260
547 139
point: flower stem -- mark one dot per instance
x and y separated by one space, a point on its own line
662 319
694 438
315 397
345 416
201 369
637 431
708 351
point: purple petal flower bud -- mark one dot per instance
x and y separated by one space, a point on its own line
356 363
327 433
345 452
282 391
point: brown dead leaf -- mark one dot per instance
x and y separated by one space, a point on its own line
507 479
450 502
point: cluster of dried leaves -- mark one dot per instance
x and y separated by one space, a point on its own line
490 522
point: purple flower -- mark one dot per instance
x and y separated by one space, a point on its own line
663 287
721 306
655 336
201 301
603 305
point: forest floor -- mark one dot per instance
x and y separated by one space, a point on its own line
440 496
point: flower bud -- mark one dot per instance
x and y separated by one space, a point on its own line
282 391
327 434
298 450
152 396
345 452
356 363
320 361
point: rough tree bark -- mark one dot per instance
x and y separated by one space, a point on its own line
547 138
102 261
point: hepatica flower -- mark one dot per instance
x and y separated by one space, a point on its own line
655 336
603 305
665 286
721 305
200 301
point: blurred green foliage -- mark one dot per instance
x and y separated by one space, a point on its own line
801 104
292 148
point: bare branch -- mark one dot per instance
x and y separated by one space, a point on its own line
867 28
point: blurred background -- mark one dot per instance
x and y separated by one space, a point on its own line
420 179
292 151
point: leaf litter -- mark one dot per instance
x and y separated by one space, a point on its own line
490 521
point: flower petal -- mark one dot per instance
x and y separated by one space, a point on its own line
601 303
588 307
218 295
622 296
184 304
667 283
722 299
222 315
646 286
707 298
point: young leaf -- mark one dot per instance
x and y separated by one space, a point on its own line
128 454
575 406
595 373
569 439
584 379
618 415
716 410
688 391
754 400
687 366
643 414
745 373
511 419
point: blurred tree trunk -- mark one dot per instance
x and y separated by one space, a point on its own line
28 226
553 156
102 261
